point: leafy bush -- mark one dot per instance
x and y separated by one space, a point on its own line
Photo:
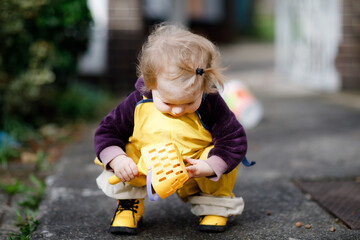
41 42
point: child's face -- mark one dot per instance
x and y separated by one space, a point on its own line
171 98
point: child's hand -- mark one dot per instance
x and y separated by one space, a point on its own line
124 168
198 168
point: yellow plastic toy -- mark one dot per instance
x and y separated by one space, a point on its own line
164 167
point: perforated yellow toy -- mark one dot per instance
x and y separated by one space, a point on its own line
164 167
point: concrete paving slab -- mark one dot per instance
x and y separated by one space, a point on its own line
299 137
303 135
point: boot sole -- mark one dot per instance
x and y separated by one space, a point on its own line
212 228
125 230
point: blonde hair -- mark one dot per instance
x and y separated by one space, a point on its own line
173 45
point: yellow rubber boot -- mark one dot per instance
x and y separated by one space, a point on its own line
127 215
212 223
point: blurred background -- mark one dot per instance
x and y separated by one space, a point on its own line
60 59
53 52
315 43
64 62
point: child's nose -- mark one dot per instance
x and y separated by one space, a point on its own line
177 110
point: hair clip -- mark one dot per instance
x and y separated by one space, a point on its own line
199 71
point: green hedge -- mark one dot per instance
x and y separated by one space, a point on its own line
41 41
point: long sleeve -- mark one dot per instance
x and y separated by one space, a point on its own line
229 138
116 128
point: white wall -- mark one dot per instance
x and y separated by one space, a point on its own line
94 61
308 34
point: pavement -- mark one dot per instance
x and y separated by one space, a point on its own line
302 135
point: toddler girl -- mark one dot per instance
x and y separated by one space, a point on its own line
176 100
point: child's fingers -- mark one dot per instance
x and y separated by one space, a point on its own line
125 175
190 175
128 175
134 169
189 160
190 172
130 172
119 175
190 168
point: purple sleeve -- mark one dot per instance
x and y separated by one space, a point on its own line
230 142
116 128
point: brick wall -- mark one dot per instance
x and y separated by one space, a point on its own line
348 59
